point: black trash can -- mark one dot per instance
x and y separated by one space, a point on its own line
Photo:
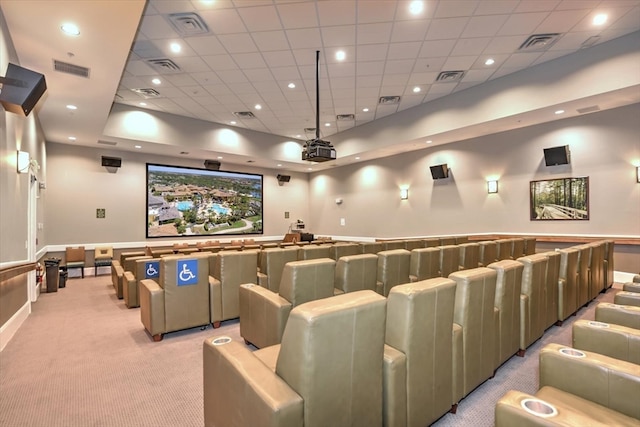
62 282
52 268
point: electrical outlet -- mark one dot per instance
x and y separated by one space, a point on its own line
343 222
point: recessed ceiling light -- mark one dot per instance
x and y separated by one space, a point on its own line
327 124
258 107
279 164
71 107
233 122
559 111
143 104
366 110
156 81
138 146
357 158
72 138
489 61
416 7
71 29
340 55
219 157
175 47
600 19
291 85
309 169
416 89
429 141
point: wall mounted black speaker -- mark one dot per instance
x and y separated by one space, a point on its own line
111 162
212 165
439 171
557 155
21 89
284 178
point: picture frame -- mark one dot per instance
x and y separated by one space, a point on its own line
559 199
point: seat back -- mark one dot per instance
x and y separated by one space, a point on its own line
503 249
103 253
308 280
272 262
488 252
130 263
185 280
532 313
393 269
447 240
619 342
425 263
357 272
568 283
343 249
413 244
529 245
551 288
461 239
390 245
449 260
623 315
583 275
469 255
517 247
608 263
314 252
125 255
331 355
431 242
507 301
474 312
419 324
597 278
233 269
370 247
74 255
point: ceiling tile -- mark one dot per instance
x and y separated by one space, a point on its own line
231 76
337 12
285 73
181 80
206 77
506 44
206 45
260 18
304 38
192 64
371 52
156 27
496 7
560 22
281 58
238 43
223 21
370 68
375 11
220 62
270 40
259 75
470 46
342 70
426 78
537 6
454 8
449 28
520 60
368 81
522 23
408 50
249 60
374 33
298 15
484 26
436 48
339 36
406 31
459 63
403 66
477 75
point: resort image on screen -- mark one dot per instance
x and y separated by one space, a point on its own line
198 202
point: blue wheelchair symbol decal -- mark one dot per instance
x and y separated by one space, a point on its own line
152 270
187 272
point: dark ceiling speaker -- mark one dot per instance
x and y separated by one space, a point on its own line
557 155
212 165
111 162
21 89
439 171
284 178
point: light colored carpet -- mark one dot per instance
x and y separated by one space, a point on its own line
83 359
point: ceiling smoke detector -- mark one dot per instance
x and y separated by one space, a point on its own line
389 100
147 92
450 76
539 42
188 24
164 65
244 115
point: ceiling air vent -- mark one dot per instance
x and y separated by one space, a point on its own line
345 117
147 92
107 142
188 24
164 65
591 109
539 42
65 67
244 114
450 76
389 100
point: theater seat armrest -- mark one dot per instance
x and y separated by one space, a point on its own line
215 299
240 390
458 364
152 312
263 280
129 293
394 378
380 288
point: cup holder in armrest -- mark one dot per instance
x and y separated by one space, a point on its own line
597 324
539 408
571 352
221 341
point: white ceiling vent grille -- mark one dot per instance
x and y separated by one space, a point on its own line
244 114
590 109
107 143
450 76
147 92
65 67
389 100
539 42
345 117
188 24
164 65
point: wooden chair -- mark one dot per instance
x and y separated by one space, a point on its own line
75 258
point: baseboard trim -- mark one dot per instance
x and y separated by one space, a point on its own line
9 329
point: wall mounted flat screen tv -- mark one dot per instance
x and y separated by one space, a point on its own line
183 202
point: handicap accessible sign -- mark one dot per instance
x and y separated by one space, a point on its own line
187 272
152 270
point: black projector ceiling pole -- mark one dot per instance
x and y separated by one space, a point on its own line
317 95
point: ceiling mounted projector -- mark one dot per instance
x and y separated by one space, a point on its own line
317 150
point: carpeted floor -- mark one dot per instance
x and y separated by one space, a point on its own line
83 359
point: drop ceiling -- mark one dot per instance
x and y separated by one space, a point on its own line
235 55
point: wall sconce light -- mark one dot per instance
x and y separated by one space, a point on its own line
23 162
638 174
492 187
404 193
